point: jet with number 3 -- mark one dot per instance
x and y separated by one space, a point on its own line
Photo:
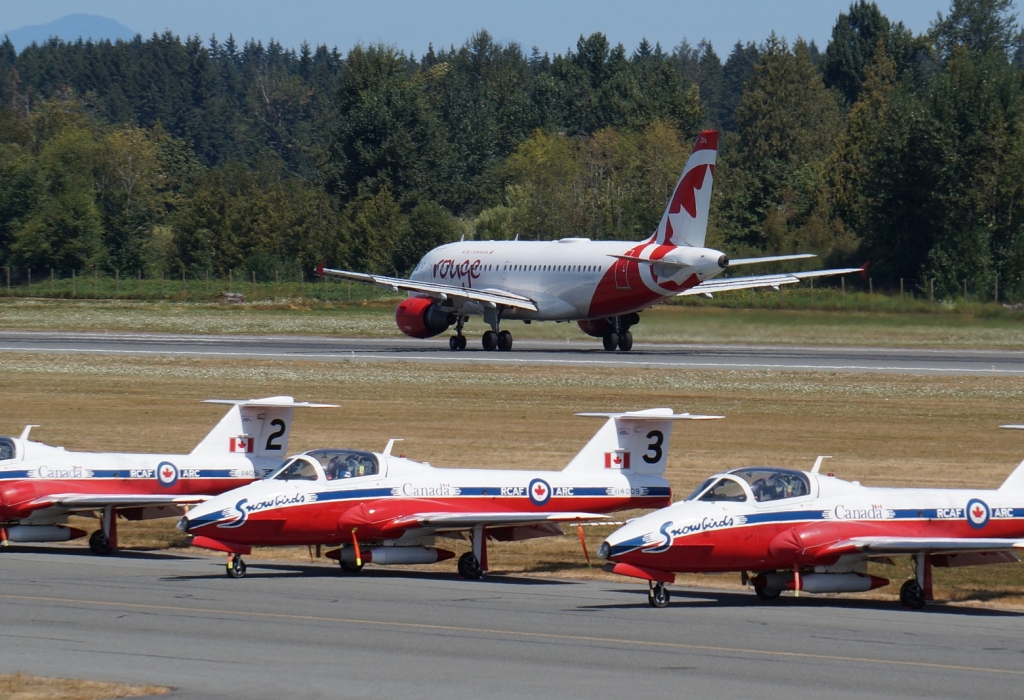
40 485
788 530
385 509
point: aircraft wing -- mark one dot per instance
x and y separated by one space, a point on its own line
92 501
443 292
464 520
728 284
932 545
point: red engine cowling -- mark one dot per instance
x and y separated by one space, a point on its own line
420 317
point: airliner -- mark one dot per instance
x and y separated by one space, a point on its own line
601 285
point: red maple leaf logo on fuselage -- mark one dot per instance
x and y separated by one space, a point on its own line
978 512
539 490
168 473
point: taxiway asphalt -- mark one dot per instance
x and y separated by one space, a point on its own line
307 631
582 353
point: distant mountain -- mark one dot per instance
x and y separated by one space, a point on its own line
70 28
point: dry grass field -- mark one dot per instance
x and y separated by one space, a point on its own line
18 686
881 430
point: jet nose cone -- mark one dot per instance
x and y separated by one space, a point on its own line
605 550
183 524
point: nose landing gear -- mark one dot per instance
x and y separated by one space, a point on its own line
236 566
458 341
657 595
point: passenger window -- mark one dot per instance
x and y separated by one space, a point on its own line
7 450
725 490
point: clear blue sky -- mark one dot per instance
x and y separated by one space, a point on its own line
551 25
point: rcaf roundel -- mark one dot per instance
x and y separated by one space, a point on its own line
167 474
977 513
540 492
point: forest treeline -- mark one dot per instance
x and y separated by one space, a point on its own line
175 156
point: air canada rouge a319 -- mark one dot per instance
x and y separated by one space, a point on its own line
40 485
602 285
789 530
388 510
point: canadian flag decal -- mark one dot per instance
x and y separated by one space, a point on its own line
616 460
242 443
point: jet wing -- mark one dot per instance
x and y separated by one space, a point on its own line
464 520
932 545
442 292
729 284
92 501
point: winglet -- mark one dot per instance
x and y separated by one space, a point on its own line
864 271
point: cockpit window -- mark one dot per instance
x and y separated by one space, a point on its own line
768 484
297 470
345 464
700 489
725 490
7 449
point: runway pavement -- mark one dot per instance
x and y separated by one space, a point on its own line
529 352
308 631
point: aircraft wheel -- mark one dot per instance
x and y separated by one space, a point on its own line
625 341
236 567
611 341
469 567
767 593
490 341
453 342
912 595
99 543
350 567
462 342
504 341
658 596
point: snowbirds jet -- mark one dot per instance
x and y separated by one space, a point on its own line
40 485
804 531
388 510
602 285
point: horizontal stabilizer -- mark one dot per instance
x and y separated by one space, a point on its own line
254 427
728 284
271 402
770 258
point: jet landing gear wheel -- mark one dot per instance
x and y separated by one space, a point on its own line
504 341
912 595
490 340
99 543
469 567
625 341
658 595
611 341
766 594
236 567
457 342
350 567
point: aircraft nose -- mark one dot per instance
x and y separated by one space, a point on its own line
605 550
183 524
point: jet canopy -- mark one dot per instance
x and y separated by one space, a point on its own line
328 465
8 450
759 484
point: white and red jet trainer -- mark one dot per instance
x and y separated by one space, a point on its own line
602 285
804 531
40 485
387 510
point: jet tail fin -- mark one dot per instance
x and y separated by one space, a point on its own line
259 427
1014 482
685 221
635 440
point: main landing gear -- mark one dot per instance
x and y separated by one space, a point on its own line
350 567
657 595
495 339
918 590
473 564
469 567
623 341
104 540
235 566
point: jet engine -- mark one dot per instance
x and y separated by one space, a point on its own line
420 317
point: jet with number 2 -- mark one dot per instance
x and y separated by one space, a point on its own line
384 509
40 485
601 285
788 530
